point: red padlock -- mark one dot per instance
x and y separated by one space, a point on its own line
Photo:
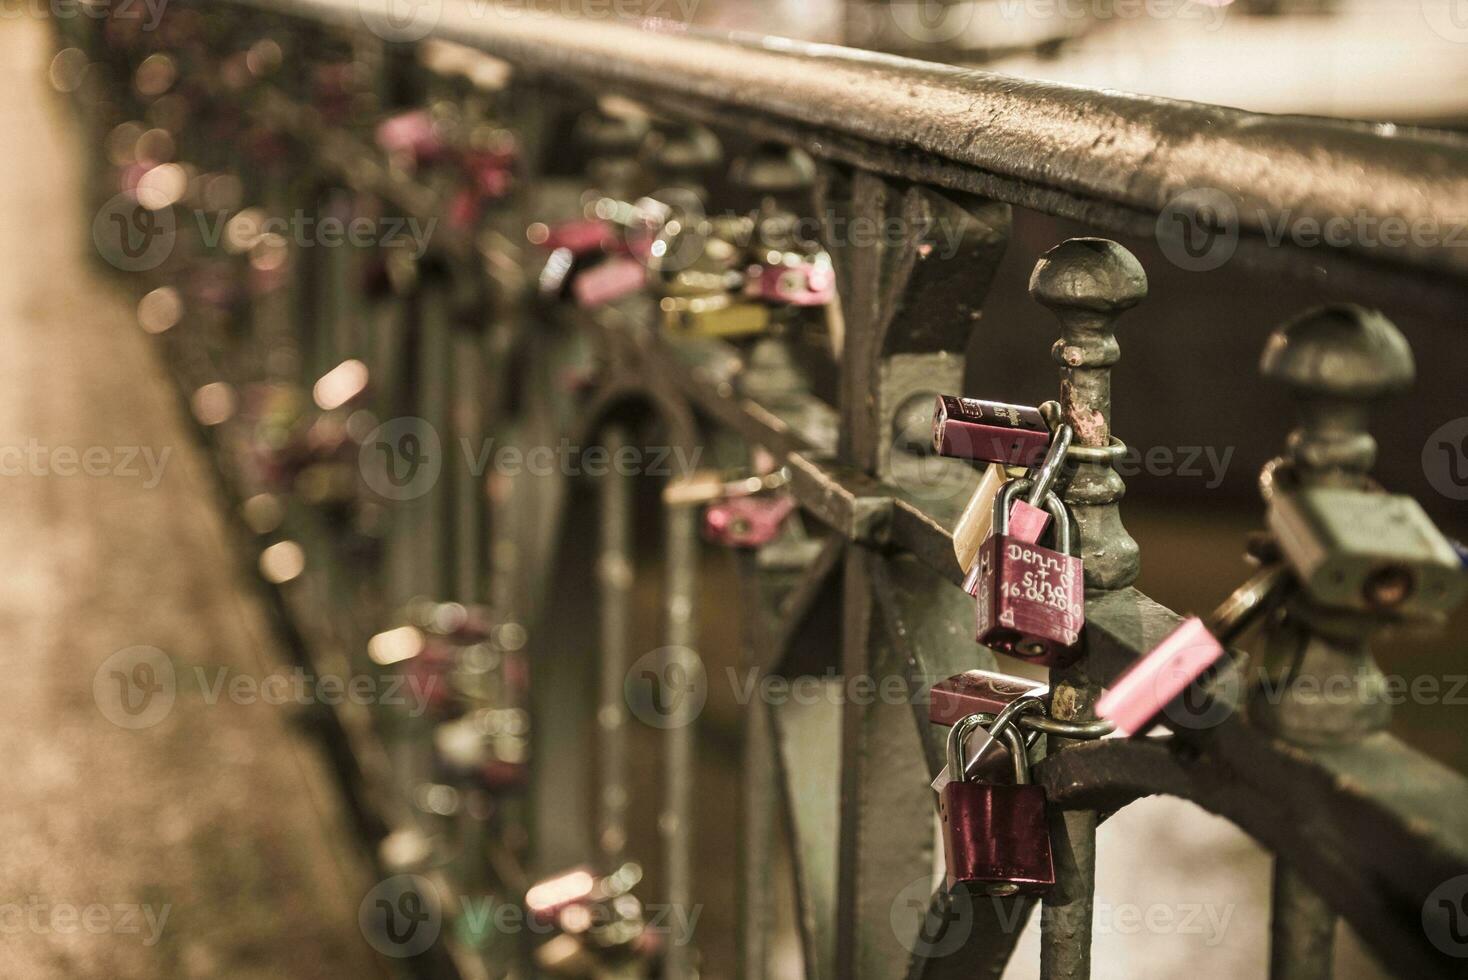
1030 600
996 838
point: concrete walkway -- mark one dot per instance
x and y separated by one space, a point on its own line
209 843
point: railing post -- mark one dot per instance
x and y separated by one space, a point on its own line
614 573
1087 283
676 820
1336 361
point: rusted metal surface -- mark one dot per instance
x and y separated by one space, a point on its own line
936 149
1041 145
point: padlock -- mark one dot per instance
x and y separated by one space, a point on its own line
611 279
1365 550
747 522
976 521
792 280
1134 701
976 692
412 137
983 692
1027 519
992 432
583 237
714 315
996 838
1030 600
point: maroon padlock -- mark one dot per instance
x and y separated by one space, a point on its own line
989 693
996 838
1030 599
992 432
978 692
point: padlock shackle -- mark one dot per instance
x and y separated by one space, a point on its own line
958 737
1043 478
1263 590
1004 503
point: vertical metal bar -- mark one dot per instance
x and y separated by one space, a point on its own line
1311 647
1088 283
428 514
394 394
757 843
1301 929
676 824
467 485
614 577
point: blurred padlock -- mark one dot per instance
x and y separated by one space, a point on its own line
1365 550
747 522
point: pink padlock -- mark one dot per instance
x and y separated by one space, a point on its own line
606 282
803 283
1134 702
491 172
587 236
411 133
747 522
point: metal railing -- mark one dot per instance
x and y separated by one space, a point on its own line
1363 827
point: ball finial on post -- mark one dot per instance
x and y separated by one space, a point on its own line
1337 361
1088 283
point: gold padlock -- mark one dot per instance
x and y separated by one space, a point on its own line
714 315
977 520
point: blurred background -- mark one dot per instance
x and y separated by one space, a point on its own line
221 834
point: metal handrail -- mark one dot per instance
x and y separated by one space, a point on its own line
1111 159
